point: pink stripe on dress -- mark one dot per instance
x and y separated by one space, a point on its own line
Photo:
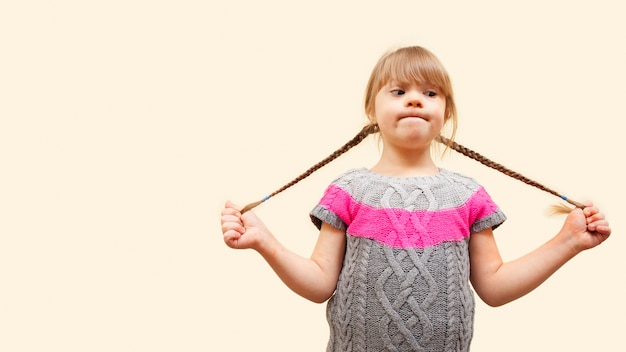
400 228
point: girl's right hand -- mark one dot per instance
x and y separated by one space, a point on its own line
241 231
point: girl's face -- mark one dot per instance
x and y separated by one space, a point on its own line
409 115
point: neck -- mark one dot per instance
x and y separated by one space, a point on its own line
413 163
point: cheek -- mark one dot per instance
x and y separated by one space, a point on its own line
375 112
370 112
443 111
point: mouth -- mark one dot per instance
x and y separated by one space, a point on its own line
413 117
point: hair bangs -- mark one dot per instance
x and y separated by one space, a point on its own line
409 66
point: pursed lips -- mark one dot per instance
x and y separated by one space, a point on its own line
413 117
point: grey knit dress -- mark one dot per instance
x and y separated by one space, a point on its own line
404 285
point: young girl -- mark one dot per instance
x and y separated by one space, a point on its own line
399 243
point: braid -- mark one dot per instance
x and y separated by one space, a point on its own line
373 128
366 131
487 162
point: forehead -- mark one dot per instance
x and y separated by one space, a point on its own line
406 84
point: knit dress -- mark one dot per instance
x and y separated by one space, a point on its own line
404 285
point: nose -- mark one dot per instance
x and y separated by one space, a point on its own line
413 100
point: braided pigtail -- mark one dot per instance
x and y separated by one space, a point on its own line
373 128
366 131
557 209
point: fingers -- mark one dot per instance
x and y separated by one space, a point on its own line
232 226
599 226
596 221
231 205
232 223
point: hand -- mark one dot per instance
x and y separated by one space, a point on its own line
242 231
587 227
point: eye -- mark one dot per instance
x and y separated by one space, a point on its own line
430 93
397 92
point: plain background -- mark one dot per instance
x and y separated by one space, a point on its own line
125 126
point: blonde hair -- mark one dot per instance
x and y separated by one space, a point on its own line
406 65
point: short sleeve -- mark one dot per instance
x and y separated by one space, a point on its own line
484 212
332 209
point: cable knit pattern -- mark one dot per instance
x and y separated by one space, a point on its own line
404 285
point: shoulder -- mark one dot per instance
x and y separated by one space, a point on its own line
352 174
461 180
460 189
352 178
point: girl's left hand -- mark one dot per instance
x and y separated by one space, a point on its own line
587 227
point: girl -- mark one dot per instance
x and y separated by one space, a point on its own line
399 243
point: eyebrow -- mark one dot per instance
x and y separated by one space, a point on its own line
396 83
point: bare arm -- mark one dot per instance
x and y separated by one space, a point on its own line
313 278
498 283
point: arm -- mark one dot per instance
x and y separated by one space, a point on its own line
498 283
313 278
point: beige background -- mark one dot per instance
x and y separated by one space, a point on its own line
125 125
